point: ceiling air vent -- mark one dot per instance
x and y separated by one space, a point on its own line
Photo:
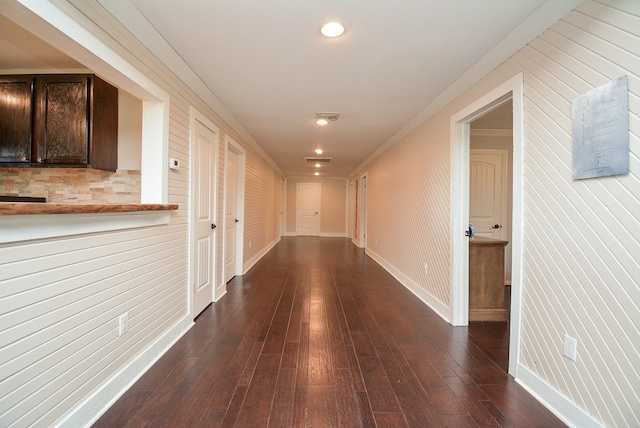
316 159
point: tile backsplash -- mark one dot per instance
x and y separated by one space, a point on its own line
70 185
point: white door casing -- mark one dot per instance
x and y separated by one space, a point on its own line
363 211
234 210
488 192
308 209
204 149
231 217
512 89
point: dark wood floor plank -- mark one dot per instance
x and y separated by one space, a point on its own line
364 408
318 334
379 390
211 418
282 409
390 420
320 369
354 366
157 405
321 407
129 403
519 412
275 339
347 407
195 398
258 401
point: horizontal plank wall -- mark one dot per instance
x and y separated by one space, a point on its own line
61 359
60 304
581 247
261 210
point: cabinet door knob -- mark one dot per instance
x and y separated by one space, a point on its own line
213 226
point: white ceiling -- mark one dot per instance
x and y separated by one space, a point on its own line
268 64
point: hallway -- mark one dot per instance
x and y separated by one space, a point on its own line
318 334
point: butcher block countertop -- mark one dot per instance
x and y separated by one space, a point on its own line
27 208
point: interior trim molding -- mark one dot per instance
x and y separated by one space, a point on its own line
89 411
557 403
436 305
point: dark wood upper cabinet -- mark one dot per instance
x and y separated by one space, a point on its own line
16 107
74 123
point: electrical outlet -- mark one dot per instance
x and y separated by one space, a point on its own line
249 244
570 347
425 268
123 323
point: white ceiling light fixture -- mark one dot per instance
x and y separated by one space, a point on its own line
319 151
332 29
321 122
317 173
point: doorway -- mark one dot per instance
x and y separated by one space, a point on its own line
510 91
363 212
308 209
234 210
204 149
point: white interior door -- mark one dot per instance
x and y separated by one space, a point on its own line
205 142
308 209
231 217
488 192
363 211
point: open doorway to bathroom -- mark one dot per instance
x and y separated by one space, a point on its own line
490 208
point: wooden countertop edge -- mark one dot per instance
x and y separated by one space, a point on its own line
30 208
481 240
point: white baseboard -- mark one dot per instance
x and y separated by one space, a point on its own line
436 305
557 403
94 406
249 263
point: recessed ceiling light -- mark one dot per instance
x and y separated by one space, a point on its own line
332 29
316 173
318 165
318 151
322 122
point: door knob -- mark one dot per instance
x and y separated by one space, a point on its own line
471 232
237 220
496 226
213 226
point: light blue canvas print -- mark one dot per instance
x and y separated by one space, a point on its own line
601 131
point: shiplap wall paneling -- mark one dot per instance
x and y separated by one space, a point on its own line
59 314
68 293
581 266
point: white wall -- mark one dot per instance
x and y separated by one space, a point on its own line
129 131
581 248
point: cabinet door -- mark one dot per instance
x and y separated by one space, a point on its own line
61 130
16 103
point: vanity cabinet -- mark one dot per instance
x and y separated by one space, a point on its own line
58 121
486 280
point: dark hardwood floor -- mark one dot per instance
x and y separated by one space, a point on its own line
317 334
